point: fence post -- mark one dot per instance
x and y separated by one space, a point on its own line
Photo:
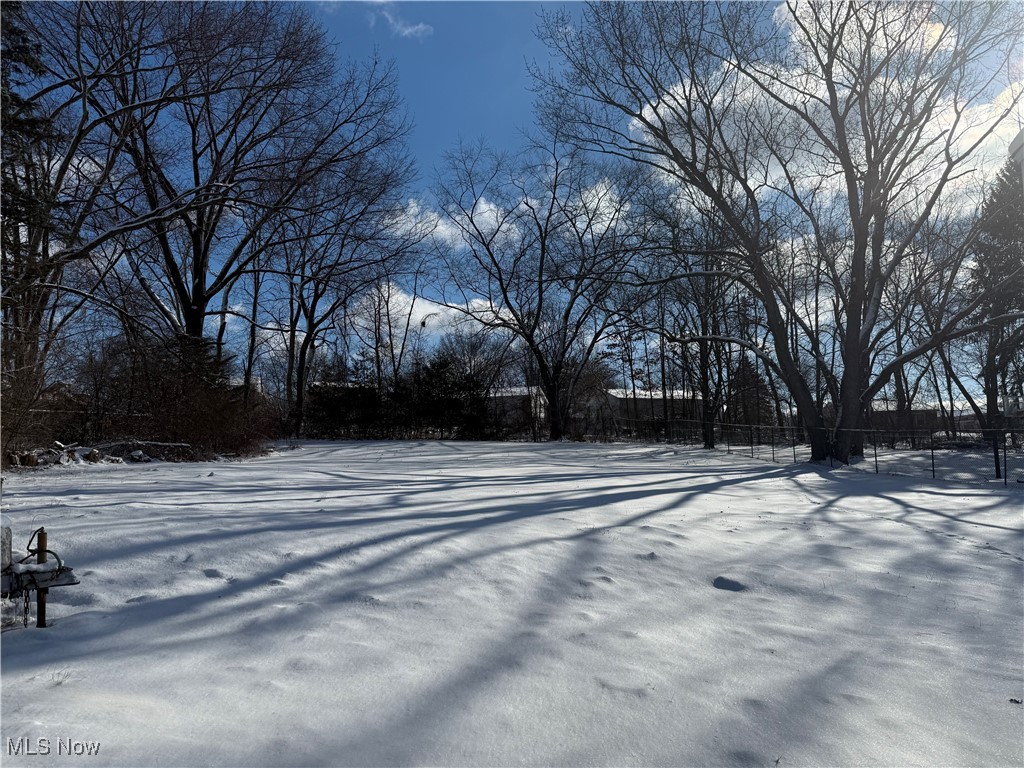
773 445
794 444
1006 450
931 444
751 442
874 446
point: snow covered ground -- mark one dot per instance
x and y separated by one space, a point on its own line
518 604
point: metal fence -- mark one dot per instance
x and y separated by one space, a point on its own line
965 457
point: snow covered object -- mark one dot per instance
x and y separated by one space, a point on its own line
19 579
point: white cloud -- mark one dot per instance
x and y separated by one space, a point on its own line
602 206
428 321
416 217
403 28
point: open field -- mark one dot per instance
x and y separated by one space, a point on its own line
441 603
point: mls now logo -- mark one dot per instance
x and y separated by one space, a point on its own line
44 746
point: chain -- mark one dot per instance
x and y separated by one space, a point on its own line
25 617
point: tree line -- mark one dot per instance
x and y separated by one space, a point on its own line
210 232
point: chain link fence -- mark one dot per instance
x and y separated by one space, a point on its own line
965 457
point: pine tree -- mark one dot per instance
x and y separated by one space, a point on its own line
26 216
1001 244
24 129
998 274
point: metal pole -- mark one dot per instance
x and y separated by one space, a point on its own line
931 443
41 593
874 445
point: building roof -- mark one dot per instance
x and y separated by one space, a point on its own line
655 394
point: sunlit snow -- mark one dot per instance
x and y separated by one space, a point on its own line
496 604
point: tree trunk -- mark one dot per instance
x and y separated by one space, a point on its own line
222 324
707 409
556 420
993 416
250 353
195 317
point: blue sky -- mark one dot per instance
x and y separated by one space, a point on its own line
461 66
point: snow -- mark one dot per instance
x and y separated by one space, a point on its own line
53 565
438 603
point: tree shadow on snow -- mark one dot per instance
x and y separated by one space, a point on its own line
376 526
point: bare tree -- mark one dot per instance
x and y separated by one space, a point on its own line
699 313
344 245
271 115
182 136
81 55
826 139
538 250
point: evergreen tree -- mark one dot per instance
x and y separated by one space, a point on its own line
24 131
27 223
998 274
1001 248
23 127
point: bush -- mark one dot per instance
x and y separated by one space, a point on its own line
166 391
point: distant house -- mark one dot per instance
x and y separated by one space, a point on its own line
1017 148
1013 407
613 413
518 411
933 418
628 405
623 413
882 415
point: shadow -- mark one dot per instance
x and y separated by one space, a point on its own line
364 534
